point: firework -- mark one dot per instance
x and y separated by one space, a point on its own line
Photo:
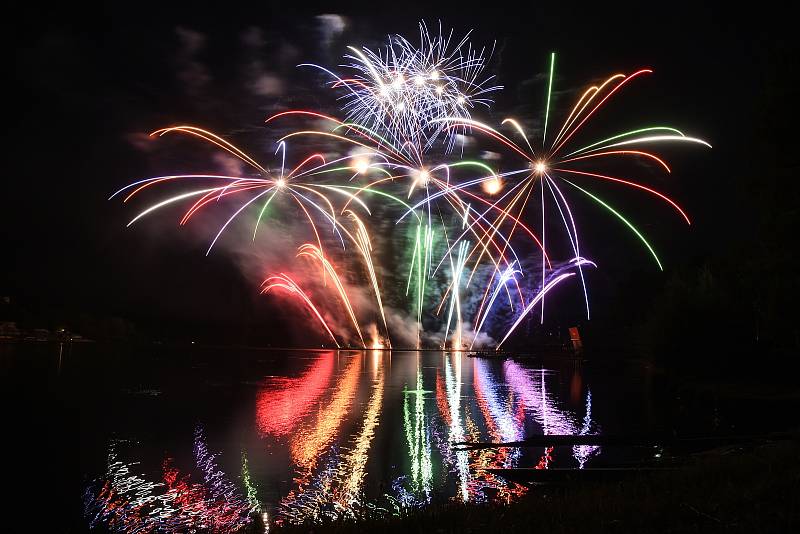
400 89
473 252
547 166
283 281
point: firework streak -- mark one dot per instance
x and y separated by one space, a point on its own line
464 250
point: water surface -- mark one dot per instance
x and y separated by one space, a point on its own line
173 439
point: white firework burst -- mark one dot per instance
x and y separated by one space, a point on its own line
400 90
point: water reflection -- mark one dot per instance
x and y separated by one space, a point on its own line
531 386
449 403
352 434
503 423
126 502
335 489
310 439
288 401
418 439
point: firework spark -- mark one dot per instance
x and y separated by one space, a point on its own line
399 89
471 241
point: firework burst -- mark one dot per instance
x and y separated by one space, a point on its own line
398 90
476 236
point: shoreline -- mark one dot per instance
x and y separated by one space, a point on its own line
744 490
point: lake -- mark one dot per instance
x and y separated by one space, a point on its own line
164 439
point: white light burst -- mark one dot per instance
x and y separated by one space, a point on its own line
400 90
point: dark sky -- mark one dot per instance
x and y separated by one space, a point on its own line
89 81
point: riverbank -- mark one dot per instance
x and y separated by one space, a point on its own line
750 490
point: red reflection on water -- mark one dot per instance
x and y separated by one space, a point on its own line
547 457
187 497
310 441
281 407
342 475
441 400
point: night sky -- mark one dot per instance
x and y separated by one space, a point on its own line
89 82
